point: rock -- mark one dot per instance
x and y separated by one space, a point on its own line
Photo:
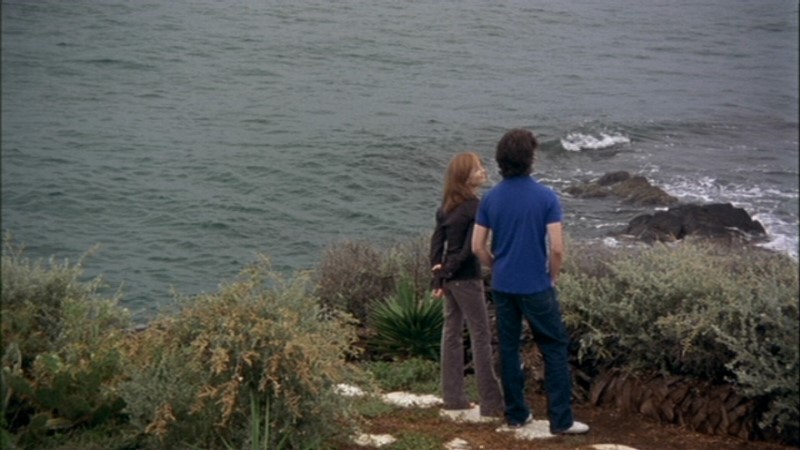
611 447
632 189
346 390
613 178
374 440
536 429
638 191
716 220
408 400
472 415
457 444
720 221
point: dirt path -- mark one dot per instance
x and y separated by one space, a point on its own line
608 426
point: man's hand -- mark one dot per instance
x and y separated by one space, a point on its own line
480 237
557 251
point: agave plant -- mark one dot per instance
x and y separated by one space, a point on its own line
408 324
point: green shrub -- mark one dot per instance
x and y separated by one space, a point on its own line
407 324
412 440
61 348
712 312
414 374
761 334
252 366
372 406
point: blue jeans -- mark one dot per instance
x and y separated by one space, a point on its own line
543 313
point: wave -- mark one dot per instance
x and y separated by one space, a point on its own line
577 141
709 189
783 237
120 63
782 244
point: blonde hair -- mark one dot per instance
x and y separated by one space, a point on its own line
456 187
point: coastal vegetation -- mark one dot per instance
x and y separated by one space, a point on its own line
258 363
716 313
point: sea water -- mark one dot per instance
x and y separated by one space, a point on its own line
186 137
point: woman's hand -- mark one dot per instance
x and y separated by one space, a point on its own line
438 293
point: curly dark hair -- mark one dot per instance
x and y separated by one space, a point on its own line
514 153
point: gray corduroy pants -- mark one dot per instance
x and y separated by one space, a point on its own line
465 302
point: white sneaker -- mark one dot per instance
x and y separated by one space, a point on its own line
576 428
528 420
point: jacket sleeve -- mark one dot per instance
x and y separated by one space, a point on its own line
454 262
437 249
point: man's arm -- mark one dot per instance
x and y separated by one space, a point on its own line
557 252
480 237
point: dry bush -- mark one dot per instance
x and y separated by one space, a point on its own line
252 365
409 260
33 297
354 276
350 278
61 349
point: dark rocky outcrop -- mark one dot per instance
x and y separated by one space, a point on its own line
717 221
632 189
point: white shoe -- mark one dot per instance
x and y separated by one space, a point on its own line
528 420
576 428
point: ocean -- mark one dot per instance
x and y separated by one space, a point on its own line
186 137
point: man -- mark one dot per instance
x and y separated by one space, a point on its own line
527 251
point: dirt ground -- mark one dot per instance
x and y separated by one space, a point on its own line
608 426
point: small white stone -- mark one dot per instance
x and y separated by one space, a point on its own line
374 440
347 390
611 447
472 415
457 444
405 399
538 429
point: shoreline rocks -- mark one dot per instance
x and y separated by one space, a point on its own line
634 189
716 221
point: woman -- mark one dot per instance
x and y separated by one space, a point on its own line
457 279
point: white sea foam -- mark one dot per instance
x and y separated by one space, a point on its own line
609 224
783 235
701 190
576 142
783 244
709 189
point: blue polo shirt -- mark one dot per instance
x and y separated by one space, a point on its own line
517 211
